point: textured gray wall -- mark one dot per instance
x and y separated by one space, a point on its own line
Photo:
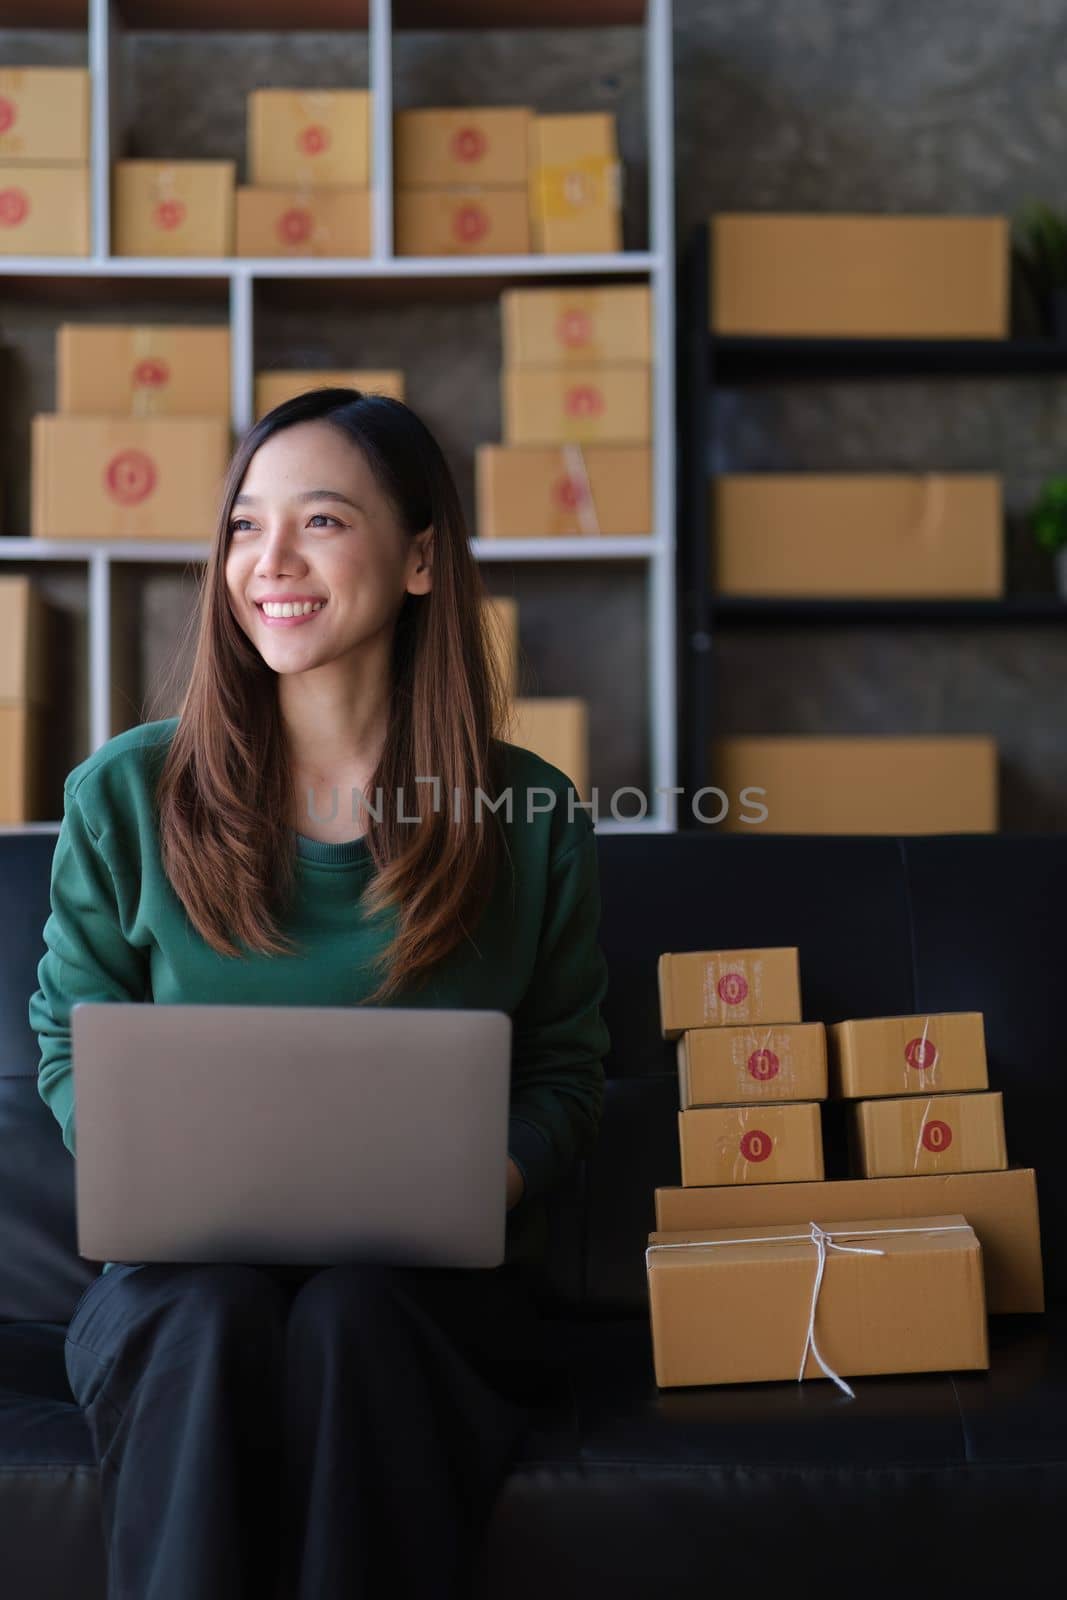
819 105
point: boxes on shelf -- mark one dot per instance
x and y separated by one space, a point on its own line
26 693
272 388
457 222
596 404
610 325
730 1065
735 1305
878 784
936 1133
302 222
710 988
44 114
319 137
127 477
556 728
859 276
147 369
1000 1206
899 535
173 208
771 1143
503 616
936 1053
44 210
532 491
462 146
575 185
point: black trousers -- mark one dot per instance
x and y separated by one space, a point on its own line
303 1433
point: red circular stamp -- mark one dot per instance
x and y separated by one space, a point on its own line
569 493
14 207
732 988
937 1136
151 373
314 139
170 214
574 329
130 476
763 1065
583 400
469 223
469 144
8 113
756 1145
920 1054
294 225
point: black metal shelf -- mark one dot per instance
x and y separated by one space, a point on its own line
734 359
777 609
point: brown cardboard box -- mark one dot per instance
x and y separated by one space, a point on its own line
726 1066
535 491
587 405
146 369
556 728
23 730
730 1307
877 784
127 477
780 1143
44 211
935 1133
24 647
710 988
44 114
503 612
303 222
461 222
486 145
854 276
1000 1206
609 325
272 388
320 137
936 1053
893 535
172 208
575 185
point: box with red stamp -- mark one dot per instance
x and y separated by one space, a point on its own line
44 210
944 1133
934 1054
610 324
461 222
809 1300
712 988
147 369
588 405
779 1143
302 221
535 492
172 208
44 115
725 1066
457 146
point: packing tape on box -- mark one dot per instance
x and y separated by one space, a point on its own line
823 1239
574 459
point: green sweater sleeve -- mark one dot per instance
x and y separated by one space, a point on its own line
558 1035
87 956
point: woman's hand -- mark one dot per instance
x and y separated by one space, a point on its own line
516 1184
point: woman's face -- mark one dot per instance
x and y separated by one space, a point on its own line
310 523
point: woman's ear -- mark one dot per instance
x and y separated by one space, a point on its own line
420 569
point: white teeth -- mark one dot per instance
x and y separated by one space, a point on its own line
288 609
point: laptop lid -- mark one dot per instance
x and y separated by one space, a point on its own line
290 1134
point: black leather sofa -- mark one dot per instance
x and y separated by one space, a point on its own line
947 1484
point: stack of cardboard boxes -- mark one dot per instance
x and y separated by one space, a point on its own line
309 174
44 161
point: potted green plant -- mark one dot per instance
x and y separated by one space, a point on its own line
1050 526
1041 252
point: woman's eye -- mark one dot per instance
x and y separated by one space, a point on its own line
324 515
236 524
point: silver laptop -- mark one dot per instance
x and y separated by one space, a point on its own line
290 1134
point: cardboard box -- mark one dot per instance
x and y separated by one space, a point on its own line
24 646
1000 1206
575 185
146 369
172 208
303 222
545 491
878 784
44 211
710 988
586 405
727 1066
127 477
892 535
936 1053
935 1133
23 730
273 388
318 137
458 147
503 619
855 276
556 728
44 114
727 1306
608 325
461 222
779 1143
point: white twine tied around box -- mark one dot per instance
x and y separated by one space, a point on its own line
823 1240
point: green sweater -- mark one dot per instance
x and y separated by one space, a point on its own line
117 931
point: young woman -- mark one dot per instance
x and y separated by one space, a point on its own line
342 1430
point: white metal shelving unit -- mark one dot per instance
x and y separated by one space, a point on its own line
657 551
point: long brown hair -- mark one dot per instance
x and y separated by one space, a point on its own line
223 792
